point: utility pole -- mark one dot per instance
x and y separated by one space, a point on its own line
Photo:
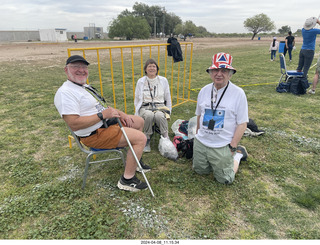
155 25
164 16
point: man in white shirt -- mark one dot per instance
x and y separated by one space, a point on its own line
84 111
222 116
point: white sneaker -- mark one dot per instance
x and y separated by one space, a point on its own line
311 91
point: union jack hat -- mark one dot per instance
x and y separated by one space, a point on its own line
221 60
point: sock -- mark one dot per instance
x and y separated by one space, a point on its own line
237 157
126 180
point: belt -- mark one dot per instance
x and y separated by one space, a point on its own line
151 103
92 133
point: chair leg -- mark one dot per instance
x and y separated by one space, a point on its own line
280 78
287 78
86 171
123 159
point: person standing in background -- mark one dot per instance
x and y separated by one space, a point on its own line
290 42
273 48
309 35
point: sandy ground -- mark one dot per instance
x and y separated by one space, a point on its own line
29 51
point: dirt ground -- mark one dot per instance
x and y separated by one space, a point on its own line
28 51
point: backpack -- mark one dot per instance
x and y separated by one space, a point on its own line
299 85
283 87
184 147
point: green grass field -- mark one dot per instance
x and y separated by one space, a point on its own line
276 194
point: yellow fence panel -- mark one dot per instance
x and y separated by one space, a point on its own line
116 69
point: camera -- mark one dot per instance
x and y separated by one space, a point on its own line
211 124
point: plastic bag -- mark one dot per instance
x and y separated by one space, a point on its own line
175 127
167 149
192 127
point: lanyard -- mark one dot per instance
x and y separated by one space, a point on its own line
154 90
94 93
213 111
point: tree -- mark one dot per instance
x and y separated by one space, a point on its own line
201 32
284 29
171 22
299 32
186 28
129 27
157 19
165 22
153 15
259 23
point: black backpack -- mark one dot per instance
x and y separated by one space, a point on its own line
298 85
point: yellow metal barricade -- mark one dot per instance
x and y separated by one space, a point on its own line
116 69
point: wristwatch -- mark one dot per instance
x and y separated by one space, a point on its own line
100 116
233 149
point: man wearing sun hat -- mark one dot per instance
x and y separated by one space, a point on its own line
309 35
222 116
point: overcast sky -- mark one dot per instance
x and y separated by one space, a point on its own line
224 16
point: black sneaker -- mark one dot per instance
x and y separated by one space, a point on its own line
243 151
145 167
133 184
254 128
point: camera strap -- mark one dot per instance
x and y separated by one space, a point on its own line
214 110
152 96
93 92
97 96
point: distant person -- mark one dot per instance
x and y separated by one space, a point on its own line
153 101
315 78
222 117
290 42
309 35
273 48
75 38
84 111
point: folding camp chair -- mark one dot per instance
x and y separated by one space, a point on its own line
285 72
92 152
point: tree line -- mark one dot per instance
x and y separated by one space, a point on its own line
146 21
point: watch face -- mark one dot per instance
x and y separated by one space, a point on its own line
232 148
100 115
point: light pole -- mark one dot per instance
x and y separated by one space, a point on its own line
164 16
155 25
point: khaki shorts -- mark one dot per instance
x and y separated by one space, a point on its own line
105 138
217 160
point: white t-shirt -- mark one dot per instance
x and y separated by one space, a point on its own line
232 111
71 99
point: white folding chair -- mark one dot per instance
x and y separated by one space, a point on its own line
285 72
92 152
